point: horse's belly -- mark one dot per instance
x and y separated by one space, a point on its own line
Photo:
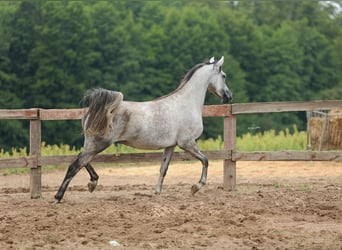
141 146
148 144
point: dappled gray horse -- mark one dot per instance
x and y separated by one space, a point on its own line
171 120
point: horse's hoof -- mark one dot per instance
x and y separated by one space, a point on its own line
57 199
194 189
92 185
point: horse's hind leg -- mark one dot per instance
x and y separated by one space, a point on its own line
93 178
73 169
167 155
92 146
193 149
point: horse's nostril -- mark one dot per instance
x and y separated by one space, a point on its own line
226 99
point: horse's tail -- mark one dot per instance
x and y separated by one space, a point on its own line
102 104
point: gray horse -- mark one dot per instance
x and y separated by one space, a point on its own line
164 123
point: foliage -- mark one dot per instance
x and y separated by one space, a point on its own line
52 51
269 140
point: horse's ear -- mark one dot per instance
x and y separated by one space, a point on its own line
220 62
212 60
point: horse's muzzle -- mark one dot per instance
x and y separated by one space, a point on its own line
227 97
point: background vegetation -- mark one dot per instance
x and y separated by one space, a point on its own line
267 141
52 51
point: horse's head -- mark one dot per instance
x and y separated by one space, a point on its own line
217 82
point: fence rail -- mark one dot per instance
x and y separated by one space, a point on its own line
229 155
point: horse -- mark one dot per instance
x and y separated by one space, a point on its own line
164 123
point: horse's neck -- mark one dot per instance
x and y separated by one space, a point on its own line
194 91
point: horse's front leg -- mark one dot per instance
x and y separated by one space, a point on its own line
203 180
167 155
192 149
93 178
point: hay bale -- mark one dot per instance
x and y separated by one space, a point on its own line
336 128
336 132
332 137
335 112
316 127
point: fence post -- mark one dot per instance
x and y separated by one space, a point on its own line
35 150
229 166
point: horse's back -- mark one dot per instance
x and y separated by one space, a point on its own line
144 125
154 125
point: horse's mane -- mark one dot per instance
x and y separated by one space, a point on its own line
187 77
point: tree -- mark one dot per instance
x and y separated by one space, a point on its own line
51 52
14 44
318 70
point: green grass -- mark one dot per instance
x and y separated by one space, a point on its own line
62 149
21 152
267 141
270 141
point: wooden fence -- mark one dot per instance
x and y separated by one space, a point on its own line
229 155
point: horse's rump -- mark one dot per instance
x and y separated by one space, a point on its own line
101 104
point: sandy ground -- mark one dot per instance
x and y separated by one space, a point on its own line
277 205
